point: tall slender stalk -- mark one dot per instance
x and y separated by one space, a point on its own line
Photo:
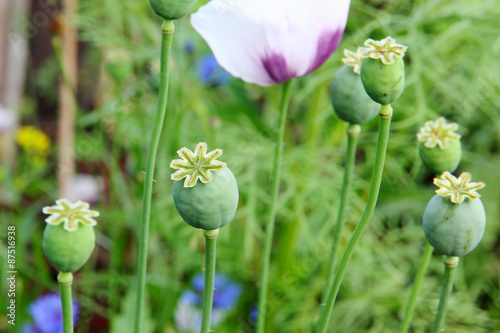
275 183
352 131
208 291
166 44
417 284
65 280
450 264
378 168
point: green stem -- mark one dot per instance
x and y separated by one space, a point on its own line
275 183
65 280
208 291
166 44
450 264
353 131
378 168
417 284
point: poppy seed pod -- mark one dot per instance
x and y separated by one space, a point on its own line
383 70
438 160
349 99
439 147
172 9
68 251
212 203
454 226
69 238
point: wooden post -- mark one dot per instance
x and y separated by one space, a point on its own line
67 102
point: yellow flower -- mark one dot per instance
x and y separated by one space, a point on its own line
35 142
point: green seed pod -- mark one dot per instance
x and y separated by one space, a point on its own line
383 70
66 250
383 83
69 238
439 149
455 225
211 204
454 229
439 160
349 99
172 9
208 206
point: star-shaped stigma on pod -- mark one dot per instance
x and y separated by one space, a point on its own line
353 59
70 214
438 132
386 50
196 165
457 188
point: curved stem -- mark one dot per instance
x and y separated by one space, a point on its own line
378 168
65 280
208 291
353 131
450 264
275 183
166 43
419 277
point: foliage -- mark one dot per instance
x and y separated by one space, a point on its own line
452 71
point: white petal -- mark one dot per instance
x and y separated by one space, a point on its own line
230 29
269 41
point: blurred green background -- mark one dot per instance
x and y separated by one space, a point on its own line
452 71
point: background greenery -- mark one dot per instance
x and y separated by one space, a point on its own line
452 71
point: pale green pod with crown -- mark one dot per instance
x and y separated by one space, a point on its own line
69 237
210 203
454 220
439 146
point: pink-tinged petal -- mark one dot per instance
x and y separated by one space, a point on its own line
315 29
270 41
328 42
237 43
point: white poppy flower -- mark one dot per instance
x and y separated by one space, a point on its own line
271 41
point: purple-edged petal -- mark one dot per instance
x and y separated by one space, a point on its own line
270 41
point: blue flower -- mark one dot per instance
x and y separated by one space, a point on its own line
189 308
47 314
226 293
211 73
254 313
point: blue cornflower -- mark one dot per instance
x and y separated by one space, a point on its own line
211 73
47 314
188 312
